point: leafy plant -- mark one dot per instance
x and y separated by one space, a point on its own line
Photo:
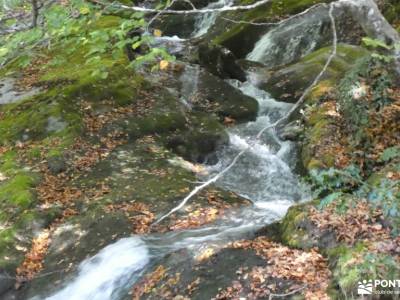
390 153
379 46
79 24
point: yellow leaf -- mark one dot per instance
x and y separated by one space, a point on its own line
157 32
84 10
164 64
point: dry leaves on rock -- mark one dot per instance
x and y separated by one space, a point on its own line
360 222
306 267
33 262
138 213
148 282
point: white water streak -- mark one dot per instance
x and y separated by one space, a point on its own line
100 275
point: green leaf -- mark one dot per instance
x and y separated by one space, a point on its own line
329 199
84 10
3 51
374 43
390 153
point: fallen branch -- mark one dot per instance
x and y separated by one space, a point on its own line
273 23
183 12
287 294
260 133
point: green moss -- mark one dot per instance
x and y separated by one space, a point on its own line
17 191
292 234
355 263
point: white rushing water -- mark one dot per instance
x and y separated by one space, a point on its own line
103 275
205 21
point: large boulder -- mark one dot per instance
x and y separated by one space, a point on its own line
289 82
220 61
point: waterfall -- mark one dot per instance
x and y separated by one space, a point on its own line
291 39
102 276
205 21
190 81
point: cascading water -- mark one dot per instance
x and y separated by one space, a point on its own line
205 21
291 39
105 275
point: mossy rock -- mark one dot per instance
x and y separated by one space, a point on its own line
354 263
287 83
297 231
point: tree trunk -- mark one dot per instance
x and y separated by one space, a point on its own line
35 13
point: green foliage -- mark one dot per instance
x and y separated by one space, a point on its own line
356 263
357 110
76 25
385 194
333 180
382 50
389 154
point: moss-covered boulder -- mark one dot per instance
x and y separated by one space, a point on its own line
288 82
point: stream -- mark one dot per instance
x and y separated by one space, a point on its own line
264 175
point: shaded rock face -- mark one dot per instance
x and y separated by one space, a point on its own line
205 92
73 242
221 62
179 25
211 275
9 94
299 36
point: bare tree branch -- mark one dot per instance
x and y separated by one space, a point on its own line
287 294
183 12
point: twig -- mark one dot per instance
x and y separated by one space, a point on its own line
288 294
158 14
260 133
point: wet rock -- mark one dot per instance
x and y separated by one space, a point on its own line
74 241
291 132
289 82
220 61
207 277
179 25
198 144
56 165
6 283
206 92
